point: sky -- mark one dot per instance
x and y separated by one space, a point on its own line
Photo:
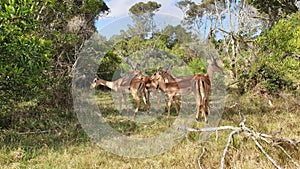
120 8
118 17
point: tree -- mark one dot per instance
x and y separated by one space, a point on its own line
68 24
230 25
39 42
198 15
179 33
142 15
275 9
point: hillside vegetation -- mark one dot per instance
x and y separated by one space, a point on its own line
259 50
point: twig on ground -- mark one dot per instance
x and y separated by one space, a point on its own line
199 158
293 161
35 132
265 153
269 139
227 147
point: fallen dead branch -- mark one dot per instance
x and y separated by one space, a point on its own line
199 158
271 140
35 132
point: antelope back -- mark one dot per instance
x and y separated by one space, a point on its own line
167 76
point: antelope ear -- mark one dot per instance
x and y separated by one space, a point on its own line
169 68
196 76
159 70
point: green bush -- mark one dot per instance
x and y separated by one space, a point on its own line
277 65
24 58
198 65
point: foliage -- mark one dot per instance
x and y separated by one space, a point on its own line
275 9
178 33
39 41
206 17
25 58
173 45
142 15
230 25
141 9
198 65
68 25
108 66
277 66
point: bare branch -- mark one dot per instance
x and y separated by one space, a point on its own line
211 129
233 83
35 132
293 161
199 158
265 153
227 147
269 139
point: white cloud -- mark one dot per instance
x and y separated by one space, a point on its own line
120 8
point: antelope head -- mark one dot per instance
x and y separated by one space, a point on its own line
213 67
156 75
96 82
137 73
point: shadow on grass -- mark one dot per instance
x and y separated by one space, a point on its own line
42 130
36 129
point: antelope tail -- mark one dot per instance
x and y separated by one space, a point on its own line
201 89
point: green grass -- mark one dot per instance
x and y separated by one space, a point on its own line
63 143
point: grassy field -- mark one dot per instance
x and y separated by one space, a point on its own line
52 138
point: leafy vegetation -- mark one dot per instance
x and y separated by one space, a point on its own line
25 58
39 47
142 14
277 66
275 9
40 42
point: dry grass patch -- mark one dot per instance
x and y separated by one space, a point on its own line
67 146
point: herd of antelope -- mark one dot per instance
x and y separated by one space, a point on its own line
199 85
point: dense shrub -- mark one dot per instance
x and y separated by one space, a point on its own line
277 65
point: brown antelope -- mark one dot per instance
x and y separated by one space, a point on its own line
150 86
169 78
124 85
171 88
212 67
201 86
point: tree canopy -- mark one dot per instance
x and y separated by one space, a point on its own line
275 9
142 15
39 41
